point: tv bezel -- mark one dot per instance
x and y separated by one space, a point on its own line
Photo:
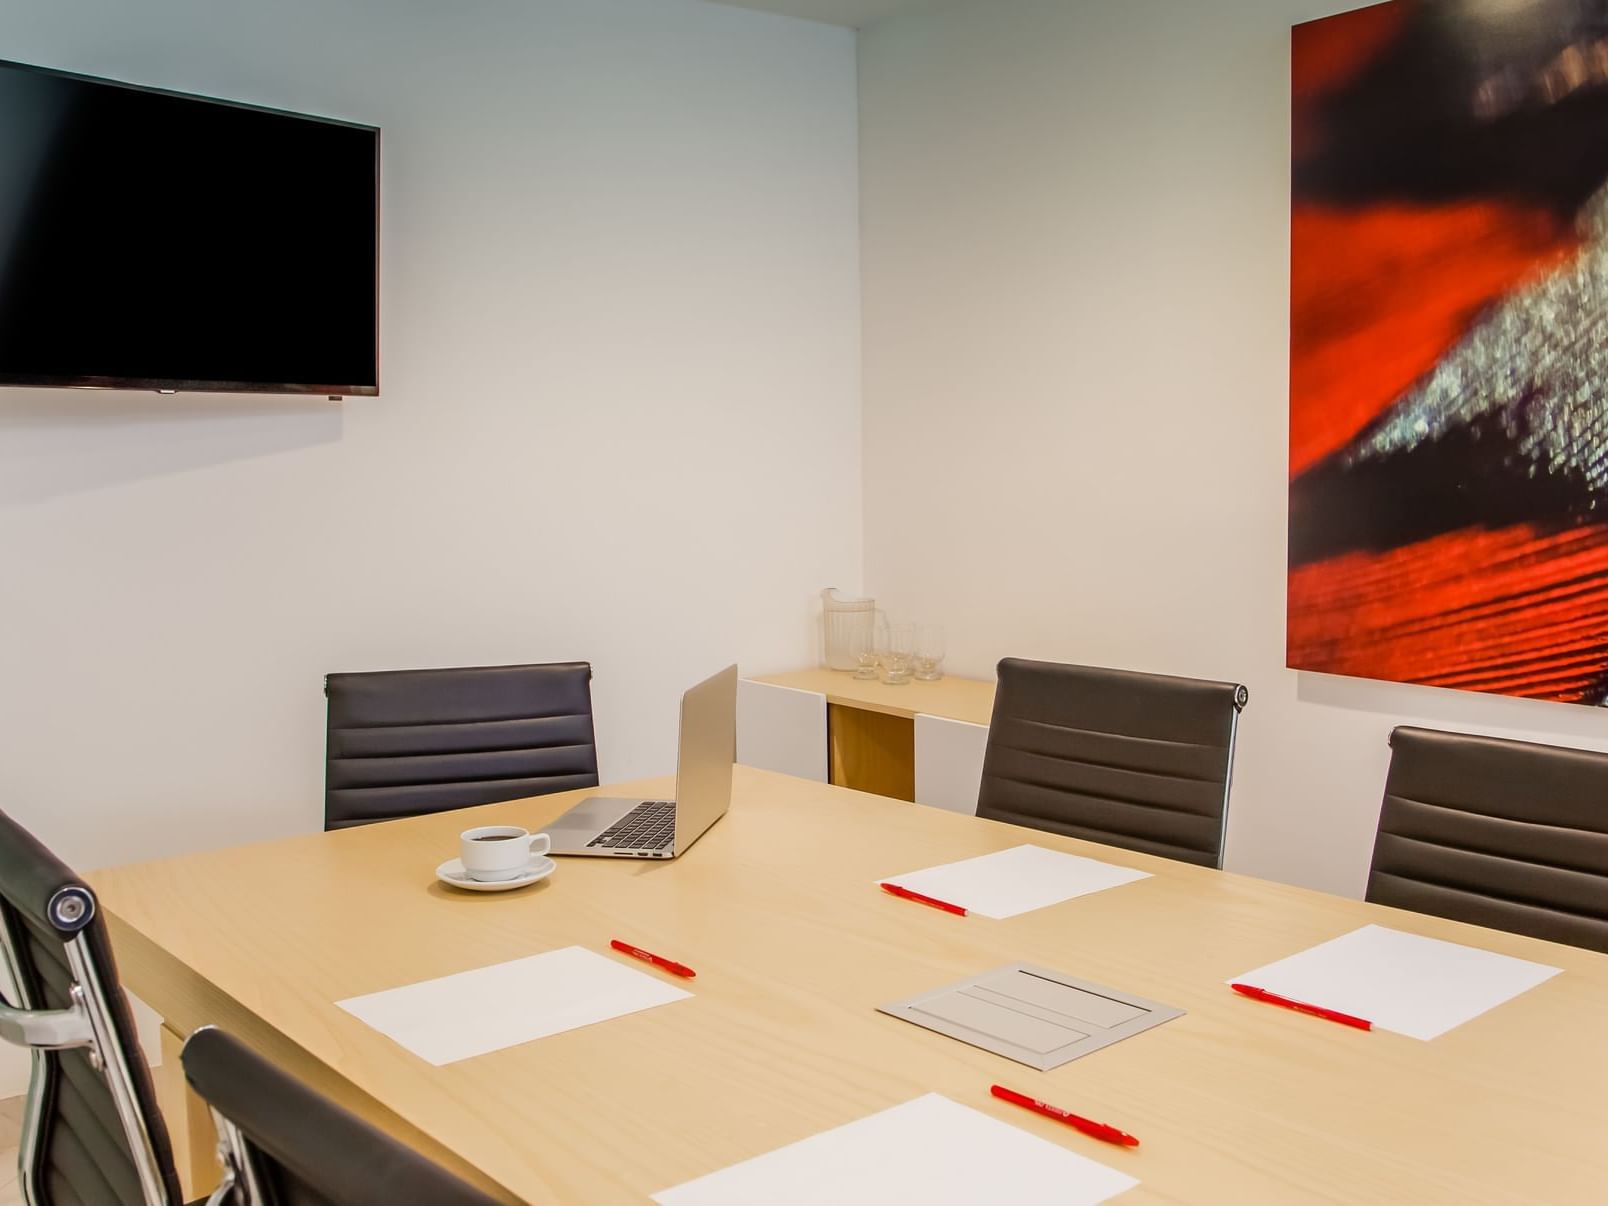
180 385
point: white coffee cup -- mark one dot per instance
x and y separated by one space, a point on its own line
495 852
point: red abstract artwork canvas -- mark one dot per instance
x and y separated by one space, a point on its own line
1449 346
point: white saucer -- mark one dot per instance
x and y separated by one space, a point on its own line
451 872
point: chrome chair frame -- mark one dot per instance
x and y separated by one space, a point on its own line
1242 696
240 1185
86 1024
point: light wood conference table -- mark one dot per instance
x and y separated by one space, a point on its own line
794 946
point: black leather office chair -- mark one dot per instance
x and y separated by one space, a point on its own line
92 1134
284 1145
1506 834
1140 761
401 743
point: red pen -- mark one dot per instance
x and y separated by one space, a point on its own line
1098 1130
907 894
669 965
1317 1011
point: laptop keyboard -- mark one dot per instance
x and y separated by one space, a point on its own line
651 825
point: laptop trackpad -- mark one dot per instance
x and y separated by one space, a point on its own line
592 815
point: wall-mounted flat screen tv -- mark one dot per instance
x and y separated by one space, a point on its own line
150 240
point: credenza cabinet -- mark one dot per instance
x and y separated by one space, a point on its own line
921 742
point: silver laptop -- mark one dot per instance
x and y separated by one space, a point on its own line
625 828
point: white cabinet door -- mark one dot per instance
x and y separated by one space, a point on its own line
781 729
949 763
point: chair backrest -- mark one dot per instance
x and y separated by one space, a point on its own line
1140 761
401 743
285 1145
1506 834
92 1132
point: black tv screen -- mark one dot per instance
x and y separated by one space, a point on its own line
153 240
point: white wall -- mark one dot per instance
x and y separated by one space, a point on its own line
1075 228
620 415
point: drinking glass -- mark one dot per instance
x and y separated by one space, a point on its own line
879 637
901 654
930 649
863 649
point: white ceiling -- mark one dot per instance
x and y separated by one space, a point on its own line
853 13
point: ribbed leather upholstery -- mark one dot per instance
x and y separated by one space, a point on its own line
1140 761
406 742
1506 834
85 1156
306 1150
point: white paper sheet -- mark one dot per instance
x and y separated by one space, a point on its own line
931 1150
1014 881
490 1008
1420 987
